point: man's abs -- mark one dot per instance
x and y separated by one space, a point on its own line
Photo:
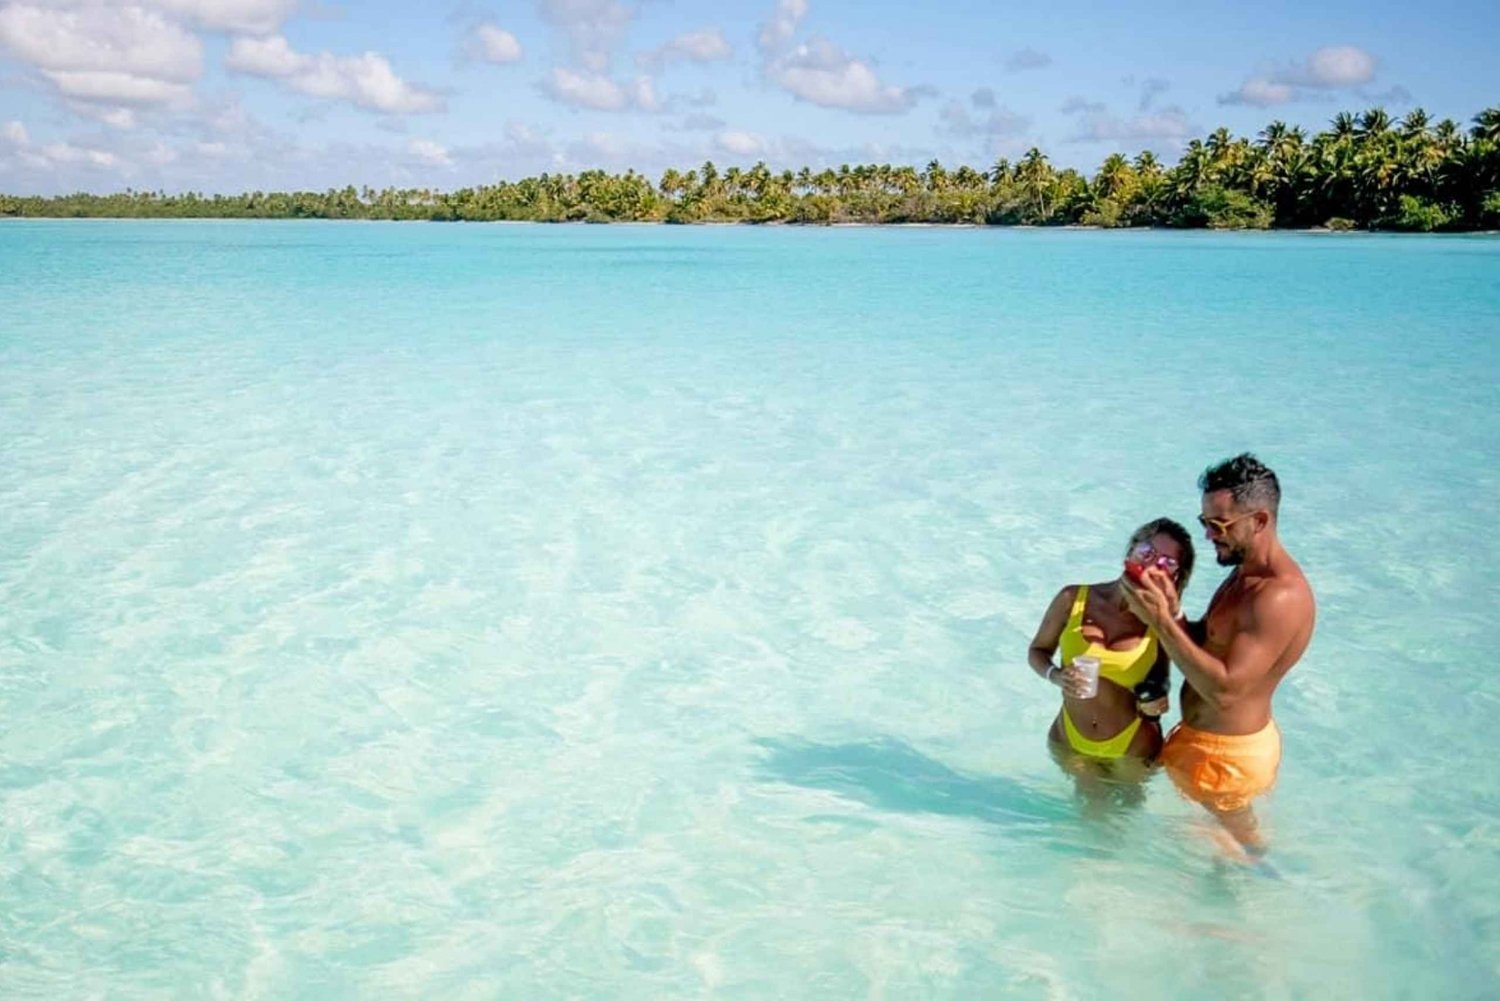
1250 716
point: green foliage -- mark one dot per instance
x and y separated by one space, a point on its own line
1366 171
1339 224
1489 212
1419 215
1218 207
1105 213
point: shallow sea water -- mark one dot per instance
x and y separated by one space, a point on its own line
628 612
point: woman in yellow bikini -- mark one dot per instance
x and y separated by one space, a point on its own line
1116 734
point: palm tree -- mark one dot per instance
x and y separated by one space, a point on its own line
1372 124
1221 151
1152 188
1415 173
1487 125
934 176
1192 171
1034 175
671 182
967 177
1415 124
1114 176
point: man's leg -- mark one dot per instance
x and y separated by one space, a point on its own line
1243 827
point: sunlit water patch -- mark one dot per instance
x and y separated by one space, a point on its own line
630 612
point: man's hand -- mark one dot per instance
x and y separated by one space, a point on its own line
1155 708
1154 600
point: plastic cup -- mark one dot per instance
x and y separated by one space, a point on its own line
1089 668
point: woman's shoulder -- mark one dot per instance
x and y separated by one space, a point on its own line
1070 594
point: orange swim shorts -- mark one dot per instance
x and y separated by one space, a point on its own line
1224 772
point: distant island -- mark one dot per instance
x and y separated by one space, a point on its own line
1366 171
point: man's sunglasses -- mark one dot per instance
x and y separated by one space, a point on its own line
1221 526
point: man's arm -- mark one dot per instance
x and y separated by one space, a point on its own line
1270 624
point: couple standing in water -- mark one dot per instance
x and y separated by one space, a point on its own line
1226 749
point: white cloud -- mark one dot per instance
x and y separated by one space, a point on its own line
523 135
778 31
1338 66
15 134
160 155
741 143
109 55
821 73
126 39
430 153
605 144
586 90
1259 92
599 92
1026 59
706 46
1332 67
225 115
643 93
698 122
120 118
593 28
251 17
957 122
496 45
1101 126
1076 104
65 154
366 80
269 57
124 88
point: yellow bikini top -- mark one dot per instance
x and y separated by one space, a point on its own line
1126 668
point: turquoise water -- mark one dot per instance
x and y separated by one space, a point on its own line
501 611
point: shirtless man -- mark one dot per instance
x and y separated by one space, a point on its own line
1226 750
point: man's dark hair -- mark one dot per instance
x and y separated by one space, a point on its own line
1249 481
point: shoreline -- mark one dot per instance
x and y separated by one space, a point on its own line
769 224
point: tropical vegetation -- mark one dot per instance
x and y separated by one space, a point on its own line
1366 171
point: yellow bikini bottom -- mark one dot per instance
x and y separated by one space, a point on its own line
1112 747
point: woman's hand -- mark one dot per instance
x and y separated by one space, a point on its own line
1074 683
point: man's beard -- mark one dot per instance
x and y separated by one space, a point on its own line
1229 557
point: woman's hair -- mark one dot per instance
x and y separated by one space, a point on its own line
1175 532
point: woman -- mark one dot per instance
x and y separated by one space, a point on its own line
1116 734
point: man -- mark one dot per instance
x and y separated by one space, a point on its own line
1226 750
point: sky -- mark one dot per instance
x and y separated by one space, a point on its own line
240 95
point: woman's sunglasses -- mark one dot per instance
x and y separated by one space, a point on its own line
1148 557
